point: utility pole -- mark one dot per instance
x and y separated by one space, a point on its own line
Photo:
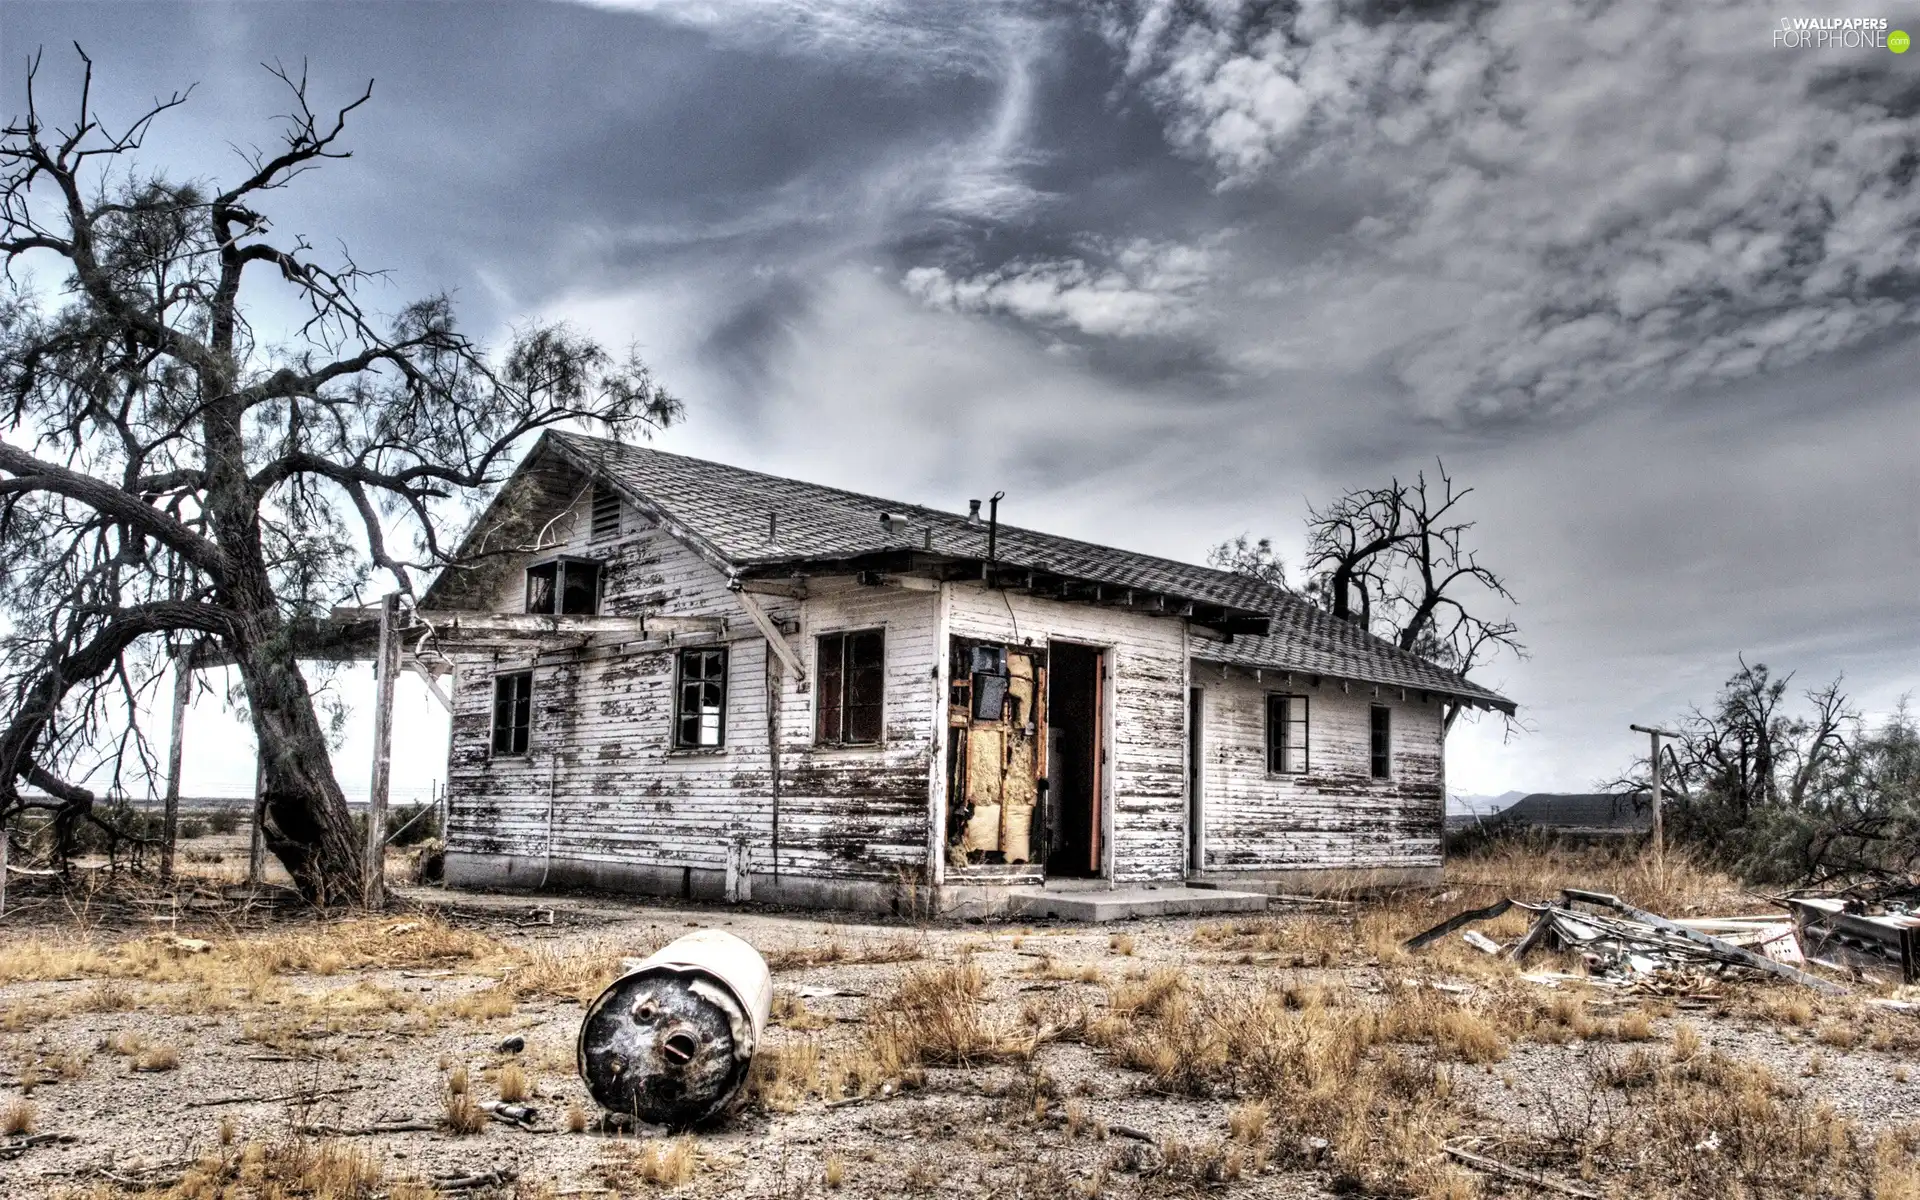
1654 785
385 668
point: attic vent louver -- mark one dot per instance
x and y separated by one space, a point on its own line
606 513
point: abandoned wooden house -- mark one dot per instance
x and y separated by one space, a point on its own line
740 685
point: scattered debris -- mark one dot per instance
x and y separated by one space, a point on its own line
1841 933
1481 942
1632 943
513 1045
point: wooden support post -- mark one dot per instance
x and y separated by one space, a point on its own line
1654 785
385 667
257 847
182 694
6 845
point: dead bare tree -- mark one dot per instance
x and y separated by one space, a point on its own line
169 475
1395 560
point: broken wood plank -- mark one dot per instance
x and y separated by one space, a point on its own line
1727 951
1494 1166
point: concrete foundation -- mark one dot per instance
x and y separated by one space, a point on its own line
1070 900
1320 882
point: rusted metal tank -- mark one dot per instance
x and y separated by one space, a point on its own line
670 1042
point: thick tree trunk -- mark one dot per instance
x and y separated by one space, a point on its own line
308 827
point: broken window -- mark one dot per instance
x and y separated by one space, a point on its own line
1381 743
1286 735
700 718
574 583
512 712
606 513
852 679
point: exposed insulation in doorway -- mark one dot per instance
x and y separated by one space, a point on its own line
996 715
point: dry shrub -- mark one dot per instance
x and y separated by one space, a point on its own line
464 1115
163 1057
667 1163
457 1080
319 1170
577 974
1122 944
1686 1042
1714 1126
576 1118
1247 1123
17 1117
512 1084
835 1171
938 1017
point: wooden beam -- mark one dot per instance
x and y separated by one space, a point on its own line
776 641
182 694
426 677
386 667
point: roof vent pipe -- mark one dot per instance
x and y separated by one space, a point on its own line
993 526
973 512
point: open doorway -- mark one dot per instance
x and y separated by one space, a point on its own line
1075 756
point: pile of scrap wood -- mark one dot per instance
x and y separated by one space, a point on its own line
1617 941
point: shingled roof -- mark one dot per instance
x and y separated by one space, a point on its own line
723 513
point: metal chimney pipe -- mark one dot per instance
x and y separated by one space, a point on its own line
993 526
973 512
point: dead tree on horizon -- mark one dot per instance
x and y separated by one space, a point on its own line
1395 561
170 475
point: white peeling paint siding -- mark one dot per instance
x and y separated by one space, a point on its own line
1147 721
1335 815
601 765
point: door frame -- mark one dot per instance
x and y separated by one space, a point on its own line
1196 780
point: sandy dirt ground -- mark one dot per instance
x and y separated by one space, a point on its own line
191 1053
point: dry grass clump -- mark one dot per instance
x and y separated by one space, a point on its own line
666 1163
512 1084
326 948
1051 968
319 1170
463 1114
1296 941
577 974
575 1120
1121 944
790 1011
893 950
1714 1126
164 1057
18 1117
1536 869
938 1018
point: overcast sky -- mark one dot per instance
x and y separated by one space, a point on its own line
1165 272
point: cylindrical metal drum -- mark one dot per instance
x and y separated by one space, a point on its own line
670 1042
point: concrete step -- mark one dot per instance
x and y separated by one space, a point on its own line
1120 904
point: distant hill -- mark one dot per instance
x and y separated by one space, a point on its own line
1462 805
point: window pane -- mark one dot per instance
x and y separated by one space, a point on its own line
702 698
866 685
831 669
512 712
1382 741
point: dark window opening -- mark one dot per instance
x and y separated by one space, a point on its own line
606 513
852 683
574 583
1382 741
700 718
1286 735
512 712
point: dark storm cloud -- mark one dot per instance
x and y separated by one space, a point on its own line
1167 271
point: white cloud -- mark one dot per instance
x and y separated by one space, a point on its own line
1635 195
1142 288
